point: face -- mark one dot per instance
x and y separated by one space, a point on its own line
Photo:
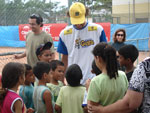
80 26
58 73
122 60
46 56
48 77
22 79
120 36
30 76
33 25
97 62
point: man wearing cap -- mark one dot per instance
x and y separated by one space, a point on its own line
77 40
34 39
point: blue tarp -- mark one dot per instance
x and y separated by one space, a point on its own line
134 32
9 35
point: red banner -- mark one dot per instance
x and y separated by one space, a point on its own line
55 29
106 27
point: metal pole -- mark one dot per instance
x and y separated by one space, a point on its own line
138 49
69 4
129 12
133 11
149 17
148 13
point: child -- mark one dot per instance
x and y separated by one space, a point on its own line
12 77
44 53
111 85
57 73
71 96
127 56
42 97
96 71
26 90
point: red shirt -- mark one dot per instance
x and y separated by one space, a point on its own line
8 103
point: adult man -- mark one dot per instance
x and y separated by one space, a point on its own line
138 93
34 39
77 41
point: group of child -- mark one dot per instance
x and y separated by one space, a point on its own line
51 96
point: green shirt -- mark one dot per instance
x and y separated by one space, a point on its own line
70 99
55 89
107 91
33 42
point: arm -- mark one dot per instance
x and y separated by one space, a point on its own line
58 108
85 109
65 60
17 107
87 84
131 101
20 55
48 101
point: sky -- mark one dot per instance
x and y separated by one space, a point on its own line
62 2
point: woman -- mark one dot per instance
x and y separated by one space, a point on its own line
119 39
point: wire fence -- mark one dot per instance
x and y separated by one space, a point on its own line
7 53
15 12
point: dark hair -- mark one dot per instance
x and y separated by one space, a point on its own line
39 19
96 70
40 68
55 63
108 54
124 32
74 75
129 51
42 47
10 77
28 68
86 13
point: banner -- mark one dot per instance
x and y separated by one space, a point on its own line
106 27
55 29
52 29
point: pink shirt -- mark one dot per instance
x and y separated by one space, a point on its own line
8 103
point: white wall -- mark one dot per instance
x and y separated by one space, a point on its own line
123 2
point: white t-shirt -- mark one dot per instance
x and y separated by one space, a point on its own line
78 45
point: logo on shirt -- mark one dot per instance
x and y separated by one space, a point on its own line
83 43
69 31
92 28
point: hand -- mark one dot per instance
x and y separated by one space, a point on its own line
87 84
30 110
16 56
95 109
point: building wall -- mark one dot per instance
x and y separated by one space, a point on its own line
123 11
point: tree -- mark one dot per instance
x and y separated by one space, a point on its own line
97 9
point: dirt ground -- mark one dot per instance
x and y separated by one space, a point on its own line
10 58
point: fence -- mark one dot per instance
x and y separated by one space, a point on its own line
14 12
7 54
